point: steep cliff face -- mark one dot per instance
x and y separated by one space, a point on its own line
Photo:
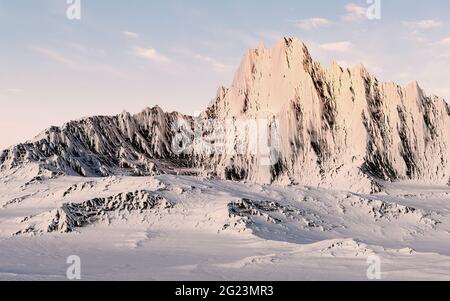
102 145
285 119
336 126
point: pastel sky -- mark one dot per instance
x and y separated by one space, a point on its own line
128 55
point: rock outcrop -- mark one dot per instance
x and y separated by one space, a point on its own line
285 118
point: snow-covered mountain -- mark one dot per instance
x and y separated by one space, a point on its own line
101 145
324 126
146 196
334 123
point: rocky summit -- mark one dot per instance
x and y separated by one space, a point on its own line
315 125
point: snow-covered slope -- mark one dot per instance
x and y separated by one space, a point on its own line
183 228
297 171
321 126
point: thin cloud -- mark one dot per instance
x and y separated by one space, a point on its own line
424 24
337 46
130 34
57 57
249 40
86 50
150 54
443 91
215 64
354 12
271 37
72 64
313 23
15 91
445 41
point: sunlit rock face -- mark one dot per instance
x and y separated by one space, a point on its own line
336 126
285 119
101 145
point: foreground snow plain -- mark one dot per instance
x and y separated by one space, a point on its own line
190 228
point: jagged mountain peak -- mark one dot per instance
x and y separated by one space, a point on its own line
336 122
360 69
333 127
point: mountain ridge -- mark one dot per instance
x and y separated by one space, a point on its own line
334 127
